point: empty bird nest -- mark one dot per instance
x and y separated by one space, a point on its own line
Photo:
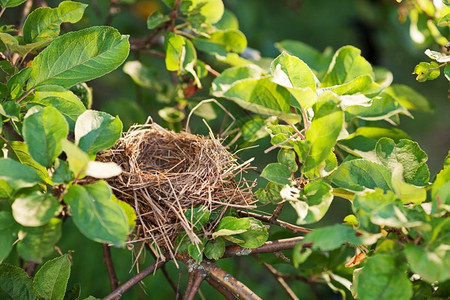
165 173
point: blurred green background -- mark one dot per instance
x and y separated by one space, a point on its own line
372 26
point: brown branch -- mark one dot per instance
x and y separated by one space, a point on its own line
281 281
291 227
222 278
117 293
226 293
277 211
196 278
163 269
113 280
267 247
112 11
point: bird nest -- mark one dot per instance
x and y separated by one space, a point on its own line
165 173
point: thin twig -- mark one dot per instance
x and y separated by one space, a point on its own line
267 247
24 95
2 11
196 278
266 219
117 293
113 280
163 269
277 211
281 281
226 293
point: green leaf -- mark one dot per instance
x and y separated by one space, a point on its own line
270 194
141 75
43 23
254 236
11 3
408 154
332 237
290 71
43 130
84 93
77 159
12 44
231 225
232 75
347 64
313 58
440 193
221 42
10 109
277 173
196 251
255 128
156 18
20 150
63 100
73 293
382 108
96 130
317 195
408 193
197 216
79 56
35 209
287 158
447 71
444 21
215 249
16 83
128 210
96 215
427 71
359 174
15 283
174 45
410 99
8 233
38 242
429 265
212 10
263 97
228 21
51 279
322 135
383 277
18 175
62 172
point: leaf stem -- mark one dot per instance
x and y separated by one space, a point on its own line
24 96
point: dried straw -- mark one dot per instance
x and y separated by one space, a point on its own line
165 173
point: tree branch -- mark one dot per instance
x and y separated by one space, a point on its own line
117 293
266 219
226 293
113 280
281 281
196 278
277 211
267 247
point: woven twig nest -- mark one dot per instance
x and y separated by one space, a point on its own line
165 173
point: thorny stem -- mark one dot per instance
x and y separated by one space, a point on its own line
267 247
113 280
195 280
266 219
117 293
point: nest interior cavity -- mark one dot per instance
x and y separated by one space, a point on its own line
165 173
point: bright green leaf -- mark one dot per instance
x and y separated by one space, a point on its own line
383 277
13 45
51 279
255 235
77 159
95 214
318 197
410 99
38 242
35 209
174 45
427 71
11 3
43 23
16 83
287 158
96 130
277 173
222 42
408 193
79 56
358 174
332 237
290 71
232 75
231 225
128 210
43 131
156 18
212 10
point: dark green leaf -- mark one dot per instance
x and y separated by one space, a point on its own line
277 173
44 22
79 56
84 93
358 174
255 129
11 3
18 175
429 265
63 100
347 64
215 249
141 75
254 236
10 109
270 194
38 242
73 293
96 130
95 214
15 283
62 172
196 252
332 237
383 277
8 233
197 216
231 225
43 130
16 83
51 279
447 71
155 19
